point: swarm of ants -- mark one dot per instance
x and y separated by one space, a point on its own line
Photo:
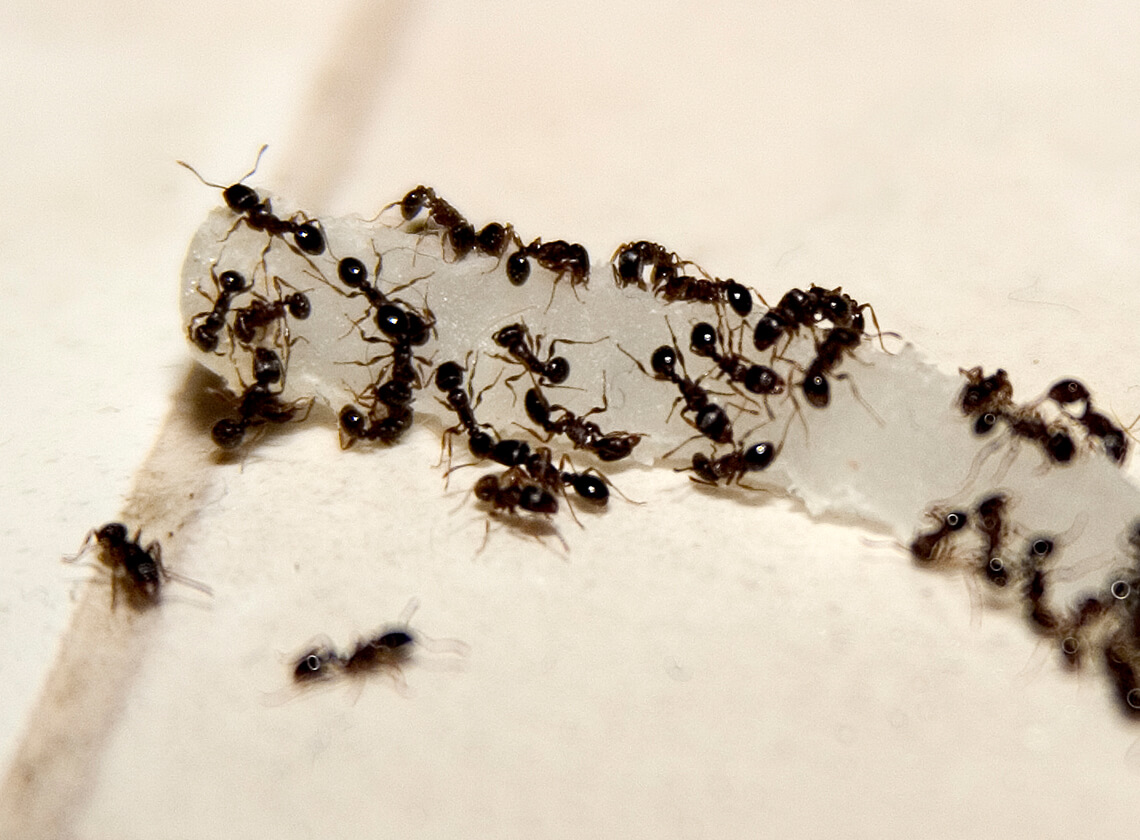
254 319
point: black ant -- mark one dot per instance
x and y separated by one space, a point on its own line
138 569
632 259
250 319
756 379
796 309
566 259
710 419
517 341
491 240
583 433
258 215
449 380
258 404
829 354
925 548
733 467
705 290
514 490
205 327
589 486
355 425
1056 443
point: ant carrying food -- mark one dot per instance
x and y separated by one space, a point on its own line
257 213
583 433
137 570
205 327
491 240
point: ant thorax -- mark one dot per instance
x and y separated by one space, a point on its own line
863 427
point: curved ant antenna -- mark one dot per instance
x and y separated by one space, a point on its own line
198 175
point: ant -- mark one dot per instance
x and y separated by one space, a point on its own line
632 259
927 547
583 433
710 419
991 523
589 486
706 290
731 468
355 425
517 341
985 394
249 319
491 240
317 663
205 327
1025 423
258 215
1069 391
449 380
796 309
138 569
258 404
756 379
559 256
829 354
514 490
1123 672
391 318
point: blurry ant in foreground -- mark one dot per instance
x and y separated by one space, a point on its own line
257 213
387 651
137 570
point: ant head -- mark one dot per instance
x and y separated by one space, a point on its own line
703 339
817 391
739 298
664 361
228 433
1068 391
352 421
415 201
759 455
449 376
518 268
352 272
510 335
956 520
111 533
487 487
